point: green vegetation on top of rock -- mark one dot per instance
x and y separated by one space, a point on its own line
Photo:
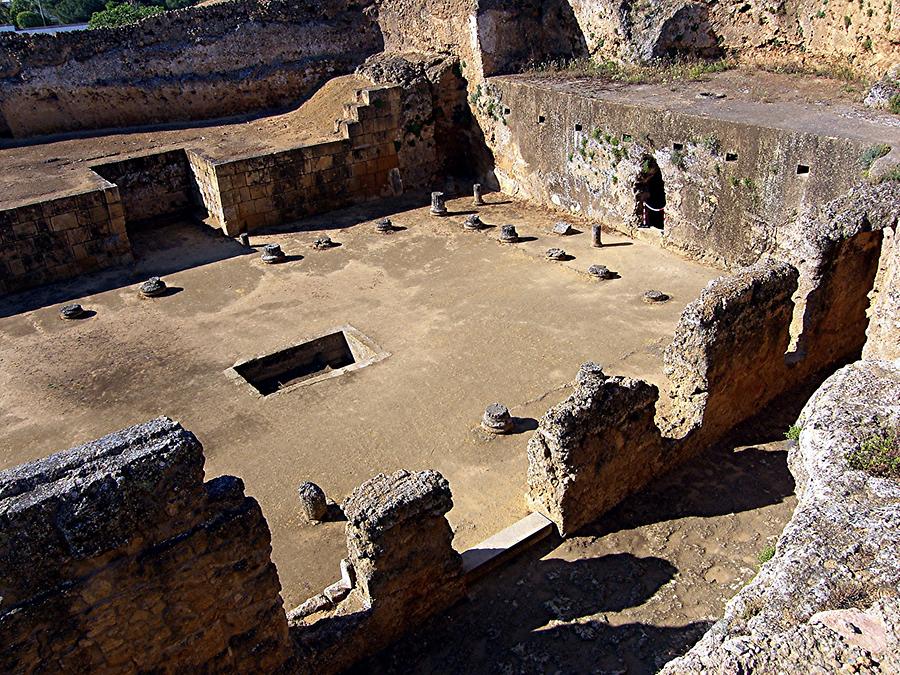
766 554
793 432
878 455
680 69
121 15
872 155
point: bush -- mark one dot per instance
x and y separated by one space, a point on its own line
793 432
894 104
873 154
29 19
878 455
766 554
121 15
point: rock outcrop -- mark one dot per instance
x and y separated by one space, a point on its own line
830 597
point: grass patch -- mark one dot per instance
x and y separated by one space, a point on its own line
872 155
894 104
891 174
793 432
878 455
693 70
766 554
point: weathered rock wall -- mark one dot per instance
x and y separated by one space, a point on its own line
116 557
883 338
499 36
594 449
213 61
62 238
837 250
729 186
803 30
829 596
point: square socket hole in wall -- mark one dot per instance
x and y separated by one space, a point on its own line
678 147
802 169
541 119
730 156
332 354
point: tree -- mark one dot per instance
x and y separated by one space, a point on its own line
121 15
19 6
75 11
29 19
4 15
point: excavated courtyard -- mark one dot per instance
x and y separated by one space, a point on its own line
467 321
645 514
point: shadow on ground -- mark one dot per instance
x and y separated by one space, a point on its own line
513 622
544 614
159 251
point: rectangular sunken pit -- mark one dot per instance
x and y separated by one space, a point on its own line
337 352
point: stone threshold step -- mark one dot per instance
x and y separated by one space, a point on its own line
506 544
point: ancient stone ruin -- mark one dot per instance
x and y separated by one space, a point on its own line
327 237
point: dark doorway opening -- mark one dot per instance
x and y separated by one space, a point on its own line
650 195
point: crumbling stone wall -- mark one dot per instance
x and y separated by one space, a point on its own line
727 359
233 57
153 187
594 449
725 364
116 557
62 238
405 569
829 596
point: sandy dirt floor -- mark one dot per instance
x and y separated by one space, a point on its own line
467 321
55 166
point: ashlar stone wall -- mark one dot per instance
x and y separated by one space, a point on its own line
62 238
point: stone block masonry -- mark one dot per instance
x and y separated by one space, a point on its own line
62 238
251 193
117 557
152 187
